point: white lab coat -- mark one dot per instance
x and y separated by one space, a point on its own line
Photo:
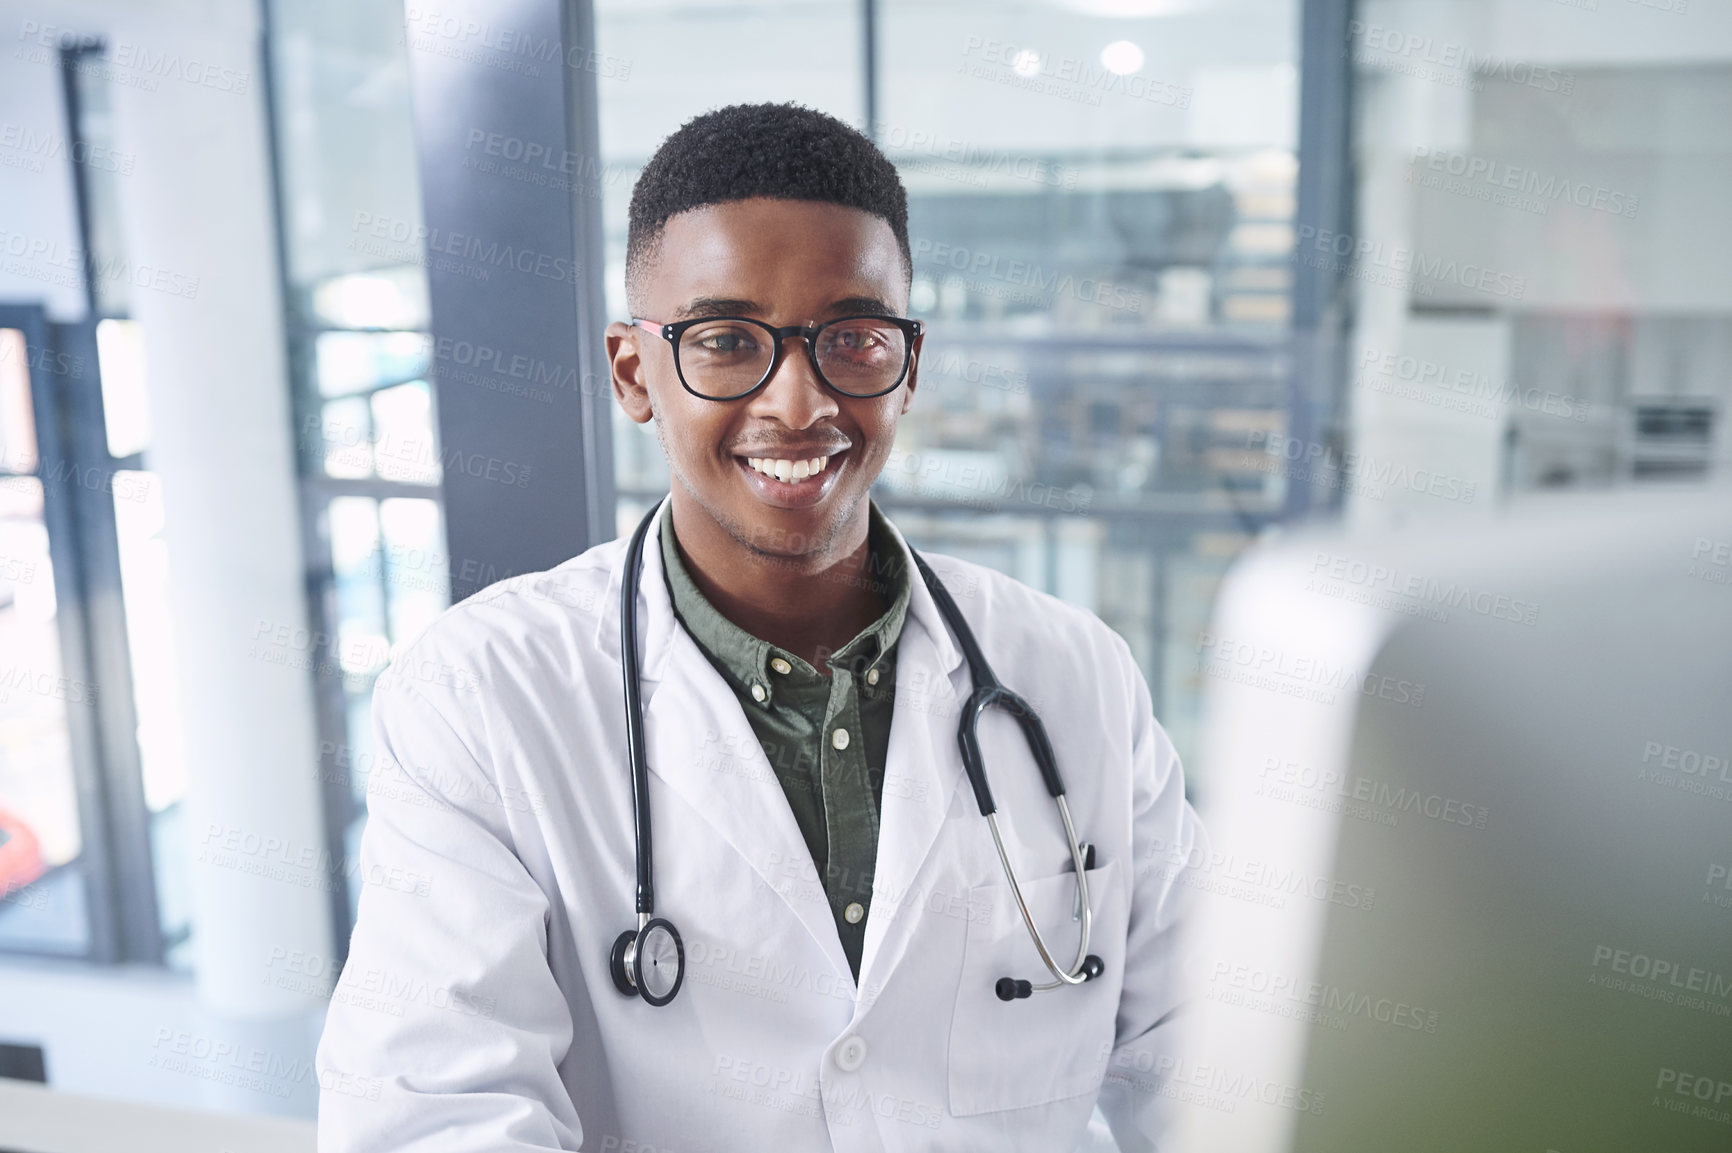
476 1013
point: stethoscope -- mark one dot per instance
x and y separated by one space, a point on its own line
650 961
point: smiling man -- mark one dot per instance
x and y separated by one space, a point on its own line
824 948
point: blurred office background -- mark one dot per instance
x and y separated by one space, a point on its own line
1193 269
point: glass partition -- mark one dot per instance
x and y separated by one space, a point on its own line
370 460
1101 215
1548 189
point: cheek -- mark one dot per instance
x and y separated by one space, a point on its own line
690 429
880 426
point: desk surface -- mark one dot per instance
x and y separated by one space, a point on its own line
35 1119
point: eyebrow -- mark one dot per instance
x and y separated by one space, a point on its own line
716 306
854 304
728 306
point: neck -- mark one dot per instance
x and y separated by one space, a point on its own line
810 605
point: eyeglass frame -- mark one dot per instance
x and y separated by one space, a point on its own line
911 329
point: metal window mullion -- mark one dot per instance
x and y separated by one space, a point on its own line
132 886
869 65
132 930
1323 202
1161 627
384 577
338 758
136 916
71 59
336 755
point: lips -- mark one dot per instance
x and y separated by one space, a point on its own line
792 479
787 470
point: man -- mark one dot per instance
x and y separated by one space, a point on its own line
845 915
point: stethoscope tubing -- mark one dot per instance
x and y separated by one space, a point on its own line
634 735
1076 974
988 692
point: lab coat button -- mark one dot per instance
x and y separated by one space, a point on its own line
839 739
851 1054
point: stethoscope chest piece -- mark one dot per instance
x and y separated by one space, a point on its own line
649 962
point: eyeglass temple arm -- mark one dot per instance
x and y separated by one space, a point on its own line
649 326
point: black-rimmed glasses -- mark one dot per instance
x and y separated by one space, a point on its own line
727 357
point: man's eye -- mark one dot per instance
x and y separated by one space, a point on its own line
723 341
856 340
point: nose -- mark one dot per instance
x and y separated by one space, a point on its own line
794 396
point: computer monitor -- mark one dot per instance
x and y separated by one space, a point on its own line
1469 790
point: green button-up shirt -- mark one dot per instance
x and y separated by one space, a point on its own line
826 736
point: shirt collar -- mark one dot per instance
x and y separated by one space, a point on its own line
745 659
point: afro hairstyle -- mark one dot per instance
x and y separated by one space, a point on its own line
783 151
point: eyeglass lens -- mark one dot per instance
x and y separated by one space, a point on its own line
724 358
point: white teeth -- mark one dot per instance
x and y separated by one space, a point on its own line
788 471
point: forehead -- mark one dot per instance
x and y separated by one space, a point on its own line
781 251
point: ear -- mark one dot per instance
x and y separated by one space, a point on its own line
630 388
913 381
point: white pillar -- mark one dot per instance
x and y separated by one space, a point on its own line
198 207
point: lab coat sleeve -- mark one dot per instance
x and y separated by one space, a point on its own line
1167 839
446 1026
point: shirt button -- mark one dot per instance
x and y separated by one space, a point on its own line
839 739
758 693
853 912
871 676
781 665
851 1054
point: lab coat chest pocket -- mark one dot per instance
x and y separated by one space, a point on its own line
1054 1044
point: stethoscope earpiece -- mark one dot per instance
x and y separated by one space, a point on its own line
1011 989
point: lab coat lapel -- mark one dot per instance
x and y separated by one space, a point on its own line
699 743
922 773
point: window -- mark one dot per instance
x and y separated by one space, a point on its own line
368 443
1101 205
43 893
92 769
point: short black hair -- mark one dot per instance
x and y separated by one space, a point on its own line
783 151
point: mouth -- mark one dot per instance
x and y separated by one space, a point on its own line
792 482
